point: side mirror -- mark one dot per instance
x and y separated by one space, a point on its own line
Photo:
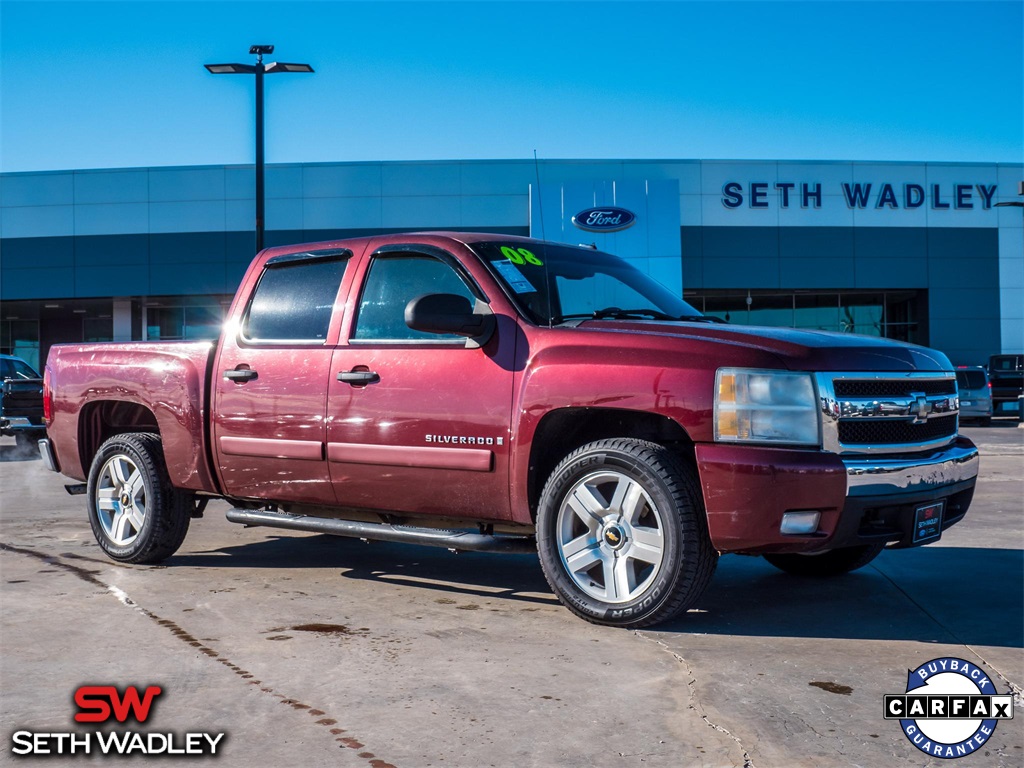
449 313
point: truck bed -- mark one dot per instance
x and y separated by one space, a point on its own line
101 389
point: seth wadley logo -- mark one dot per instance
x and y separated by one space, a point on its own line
101 704
950 708
860 195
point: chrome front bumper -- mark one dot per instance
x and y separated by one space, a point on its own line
874 476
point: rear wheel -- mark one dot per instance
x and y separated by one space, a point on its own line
835 562
621 534
136 515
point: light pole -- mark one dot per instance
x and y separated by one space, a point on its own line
259 69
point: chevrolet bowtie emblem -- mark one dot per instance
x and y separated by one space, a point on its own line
921 408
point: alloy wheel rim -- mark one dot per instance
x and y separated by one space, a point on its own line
121 500
610 536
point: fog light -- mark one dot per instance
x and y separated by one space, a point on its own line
799 523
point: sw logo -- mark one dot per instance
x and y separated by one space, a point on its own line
102 704
97 703
950 707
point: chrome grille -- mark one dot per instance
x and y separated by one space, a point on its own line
895 432
887 413
882 388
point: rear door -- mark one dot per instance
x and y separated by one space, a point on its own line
427 431
270 381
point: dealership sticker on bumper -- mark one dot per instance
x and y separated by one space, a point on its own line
927 522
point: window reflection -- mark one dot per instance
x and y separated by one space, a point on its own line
889 314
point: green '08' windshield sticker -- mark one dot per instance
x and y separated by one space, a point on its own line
520 256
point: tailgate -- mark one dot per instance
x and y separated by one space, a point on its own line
23 398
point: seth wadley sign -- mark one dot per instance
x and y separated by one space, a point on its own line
961 197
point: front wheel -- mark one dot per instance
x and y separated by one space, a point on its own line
136 515
622 535
835 562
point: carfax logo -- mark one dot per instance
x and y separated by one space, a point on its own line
950 708
102 704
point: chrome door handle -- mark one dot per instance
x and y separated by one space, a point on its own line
241 375
357 378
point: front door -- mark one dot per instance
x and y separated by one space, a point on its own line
420 423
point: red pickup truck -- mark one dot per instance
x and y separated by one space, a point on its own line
495 393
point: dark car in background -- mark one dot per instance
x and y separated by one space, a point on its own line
975 394
21 401
1006 372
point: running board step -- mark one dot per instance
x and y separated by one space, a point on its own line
403 534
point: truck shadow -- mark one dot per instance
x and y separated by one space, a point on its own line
512 577
933 594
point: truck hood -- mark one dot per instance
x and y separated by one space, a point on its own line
796 349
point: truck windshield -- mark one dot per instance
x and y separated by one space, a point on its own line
560 283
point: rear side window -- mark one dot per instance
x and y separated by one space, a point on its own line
294 299
970 379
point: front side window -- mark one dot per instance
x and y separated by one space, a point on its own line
294 299
393 281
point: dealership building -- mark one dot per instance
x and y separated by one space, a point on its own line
912 251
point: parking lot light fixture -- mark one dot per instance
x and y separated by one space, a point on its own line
259 69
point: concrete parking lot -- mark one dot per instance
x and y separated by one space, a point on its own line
312 650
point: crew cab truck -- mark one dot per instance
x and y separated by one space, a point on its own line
487 392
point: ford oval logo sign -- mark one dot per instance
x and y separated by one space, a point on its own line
606 219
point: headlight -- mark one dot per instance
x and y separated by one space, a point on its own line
765 407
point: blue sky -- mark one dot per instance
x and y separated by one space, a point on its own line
120 84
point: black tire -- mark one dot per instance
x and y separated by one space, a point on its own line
114 508
985 422
668 503
835 562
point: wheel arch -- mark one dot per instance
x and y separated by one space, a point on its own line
100 420
563 430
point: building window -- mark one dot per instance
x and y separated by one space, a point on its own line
98 328
21 339
888 314
174 323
